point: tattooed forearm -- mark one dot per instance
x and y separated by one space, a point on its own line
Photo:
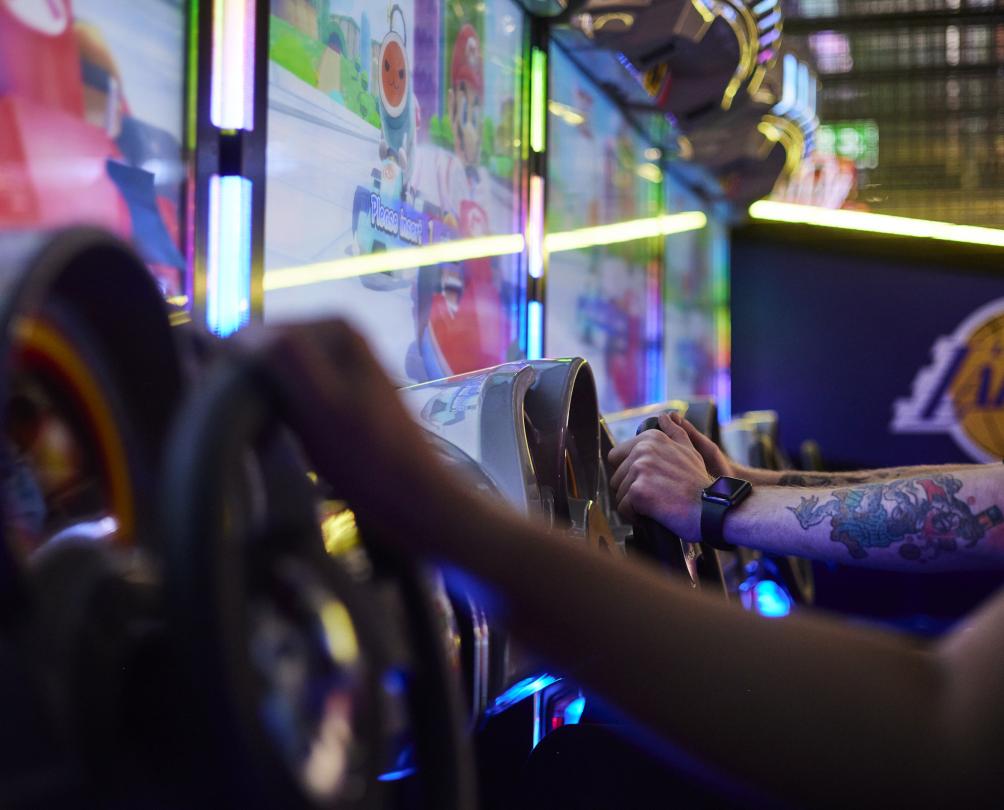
836 479
821 479
923 517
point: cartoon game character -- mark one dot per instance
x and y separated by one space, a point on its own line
72 149
459 311
397 108
625 345
465 98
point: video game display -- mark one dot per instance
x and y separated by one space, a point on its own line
91 118
600 300
694 290
395 125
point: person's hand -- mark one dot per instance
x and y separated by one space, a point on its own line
659 474
334 393
715 460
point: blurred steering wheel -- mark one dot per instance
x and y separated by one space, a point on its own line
326 682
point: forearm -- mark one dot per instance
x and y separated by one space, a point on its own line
797 478
808 709
937 521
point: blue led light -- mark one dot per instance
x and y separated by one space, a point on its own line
395 682
767 22
574 710
534 330
771 600
228 276
394 776
520 691
789 92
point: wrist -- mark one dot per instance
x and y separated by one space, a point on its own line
717 501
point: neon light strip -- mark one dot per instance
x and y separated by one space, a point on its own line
706 13
538 99
535 228
192 111
520 691
534 330
876 223
538 731
789 93
767 22
232 96
485 246
802 94
624 231
574 711
768 39
385 262
763 6
718 250
653 333
228 280
394 776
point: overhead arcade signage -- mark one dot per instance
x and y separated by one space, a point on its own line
962 392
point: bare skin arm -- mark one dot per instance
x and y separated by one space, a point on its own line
933 519
812 710
795 478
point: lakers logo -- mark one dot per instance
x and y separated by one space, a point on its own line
962 392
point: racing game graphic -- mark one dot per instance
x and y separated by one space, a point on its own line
393 126
598 299
91 113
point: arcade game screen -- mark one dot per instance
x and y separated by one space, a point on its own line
91 117
600 299
695 303
394 126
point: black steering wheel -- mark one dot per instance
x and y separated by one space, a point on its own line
323 683
697 562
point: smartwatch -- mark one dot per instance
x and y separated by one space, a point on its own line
716 500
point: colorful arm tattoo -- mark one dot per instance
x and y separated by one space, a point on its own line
921 516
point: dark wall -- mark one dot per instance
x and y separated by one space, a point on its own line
831 333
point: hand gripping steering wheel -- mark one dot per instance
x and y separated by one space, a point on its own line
698 562
302 671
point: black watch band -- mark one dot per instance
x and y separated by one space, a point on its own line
713 524
716 500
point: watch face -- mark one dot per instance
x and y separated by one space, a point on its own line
727 489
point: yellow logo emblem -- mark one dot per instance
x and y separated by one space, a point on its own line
962 392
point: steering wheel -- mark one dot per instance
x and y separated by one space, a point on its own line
698 562
562 416
295 670
90 377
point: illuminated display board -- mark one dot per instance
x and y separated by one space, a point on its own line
696 306
855 140
600 300
395 127
91 116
